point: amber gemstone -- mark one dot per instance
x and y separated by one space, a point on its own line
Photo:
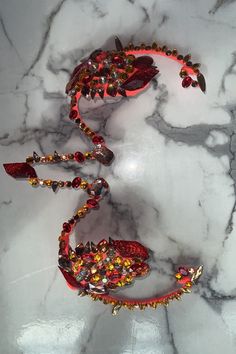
103 245
187 81
111 90
143 62
20 170
79 157
76 182
34 181
103 155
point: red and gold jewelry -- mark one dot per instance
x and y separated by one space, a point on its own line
98 270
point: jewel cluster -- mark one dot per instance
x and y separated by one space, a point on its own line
97 268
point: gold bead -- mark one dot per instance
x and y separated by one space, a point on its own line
83 184
88 155
30 159
189 284
48 182
110 266
33 181
95 278
183 73
50 158
127 263
98 257
118 260
121 283
76 266
85 208
178 276
128 279
86 130
72 255
80 213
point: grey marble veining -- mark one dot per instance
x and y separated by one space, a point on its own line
173 181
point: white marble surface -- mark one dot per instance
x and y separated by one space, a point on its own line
172 182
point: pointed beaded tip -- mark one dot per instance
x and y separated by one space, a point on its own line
119 46
20 170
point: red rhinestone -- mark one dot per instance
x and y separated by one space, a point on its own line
98 140
73 114
66 227
79 157
76 182
187 81
92 203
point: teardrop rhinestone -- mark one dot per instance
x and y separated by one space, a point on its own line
111 90
101 92
122 92
85 91
79 249
55 186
